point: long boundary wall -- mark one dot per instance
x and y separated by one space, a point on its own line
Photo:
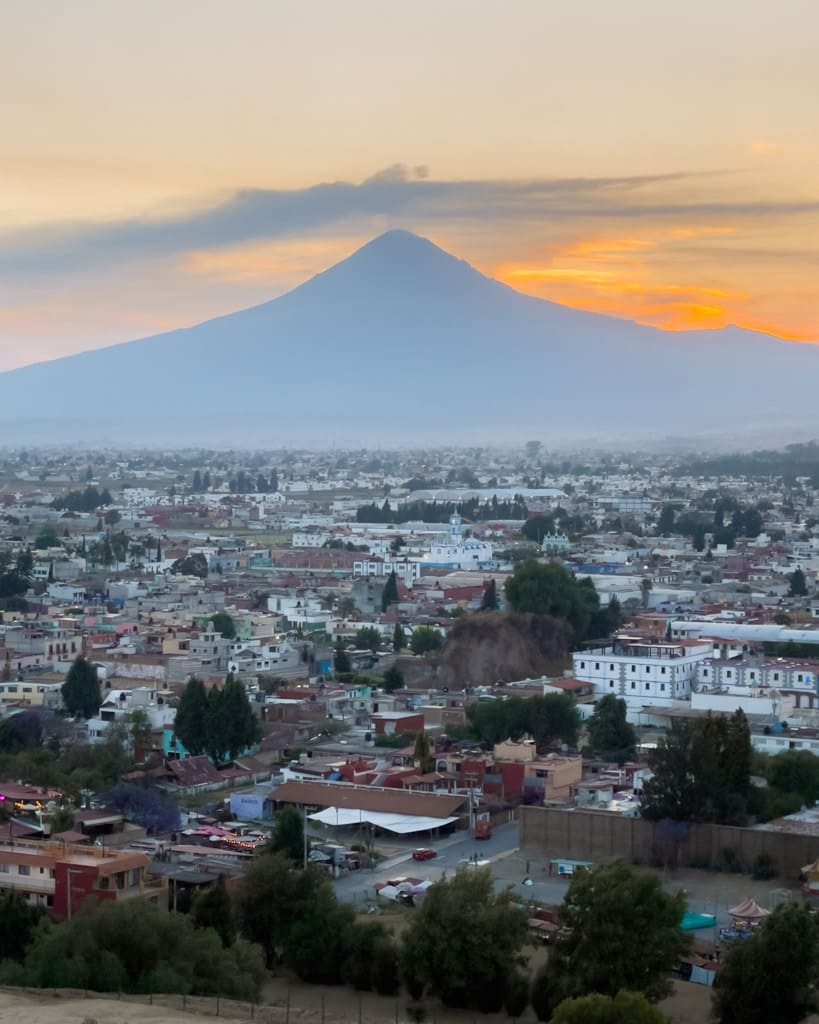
599 836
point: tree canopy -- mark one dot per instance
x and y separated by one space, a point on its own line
425 639
624 1008
131 946
702 771
795 771
223 623
621 931
798 584
463 943
219 723
368 638
548 719
771 976
287 837
548 589
611 737
81 690
390 593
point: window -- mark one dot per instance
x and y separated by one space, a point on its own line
753 675
597 665
633 684
582 664
648 669
728 673
662 671
633 668
776 677
648 686
704 673
799 678
662 687
611 685
23 869
4 869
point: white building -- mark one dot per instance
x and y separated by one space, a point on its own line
405 570
457 552
642 671
119 704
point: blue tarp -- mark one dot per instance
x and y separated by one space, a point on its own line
693 922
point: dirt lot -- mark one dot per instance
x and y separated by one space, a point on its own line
689 1005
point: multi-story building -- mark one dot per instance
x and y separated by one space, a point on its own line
61 876
643 671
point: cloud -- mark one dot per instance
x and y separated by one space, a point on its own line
395 194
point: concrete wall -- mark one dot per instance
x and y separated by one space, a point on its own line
600 837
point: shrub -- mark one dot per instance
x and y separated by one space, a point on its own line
763 867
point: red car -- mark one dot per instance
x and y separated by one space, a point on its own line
424 854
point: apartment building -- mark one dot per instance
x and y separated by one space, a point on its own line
61 876
643 671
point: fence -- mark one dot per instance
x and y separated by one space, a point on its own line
302 1005
599 836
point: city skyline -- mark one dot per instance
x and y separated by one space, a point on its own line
163 166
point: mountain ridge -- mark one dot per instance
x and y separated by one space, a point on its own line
401 341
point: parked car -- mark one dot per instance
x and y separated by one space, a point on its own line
424 854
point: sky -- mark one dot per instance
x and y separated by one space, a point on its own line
162 163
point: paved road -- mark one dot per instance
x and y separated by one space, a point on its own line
358 886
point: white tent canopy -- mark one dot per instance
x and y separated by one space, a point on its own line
402 824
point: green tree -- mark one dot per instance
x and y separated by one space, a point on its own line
390 593
516 997
25 564
319 939
665 524
489 599
536 528
213 908
191 565
18 923
798 584
624 1008
341 660
425 639
611 737
421 754
463 943
795 771
272 896
287 837
494 721
81 690
47 538
621 930
132 946
191 722
368 638
236 725
701 772
399 638
771 976
550 590
222 623
552 718
393 679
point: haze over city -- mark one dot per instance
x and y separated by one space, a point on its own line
164 164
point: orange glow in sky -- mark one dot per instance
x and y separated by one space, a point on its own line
162 163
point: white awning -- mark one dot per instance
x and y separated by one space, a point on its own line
402 824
